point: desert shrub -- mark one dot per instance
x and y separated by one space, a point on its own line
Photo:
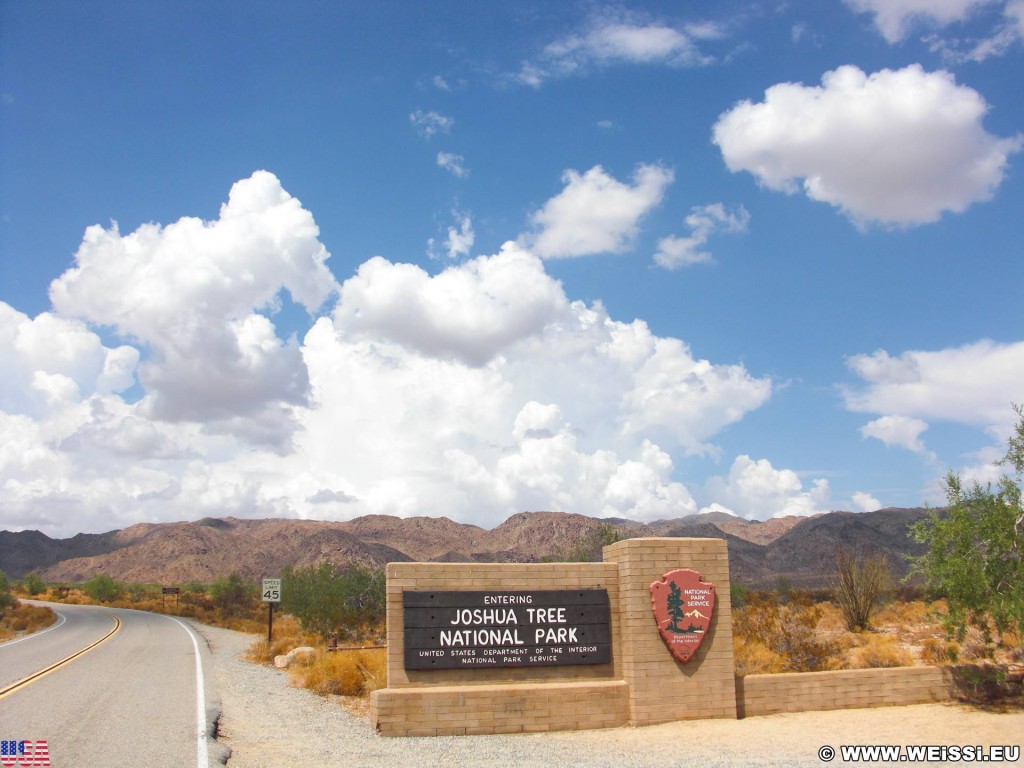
334 601
975 548
878 650
233 596
783 589
738 594
787 631
102 588
23 617
975 644
341 673
938 652
140 592
752 657
906 613
33 584
195 599
6 598
858 586
589 548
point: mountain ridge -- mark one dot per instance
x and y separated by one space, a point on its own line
798 549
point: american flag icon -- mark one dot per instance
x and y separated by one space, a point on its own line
21 752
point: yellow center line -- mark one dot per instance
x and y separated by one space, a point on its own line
53 667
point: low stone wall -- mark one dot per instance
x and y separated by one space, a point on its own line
842 689
509 708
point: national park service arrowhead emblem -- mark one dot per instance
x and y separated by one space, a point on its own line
683 605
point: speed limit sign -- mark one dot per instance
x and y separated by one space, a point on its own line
271 590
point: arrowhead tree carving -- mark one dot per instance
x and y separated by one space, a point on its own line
683 606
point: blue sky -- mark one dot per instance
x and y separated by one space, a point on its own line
468 259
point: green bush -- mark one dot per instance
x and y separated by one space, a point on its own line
334 601
102 588
975 549
233 596
6 598
34 584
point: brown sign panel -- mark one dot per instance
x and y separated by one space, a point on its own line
484 630
683 605
172 590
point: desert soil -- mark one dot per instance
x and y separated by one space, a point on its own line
269 724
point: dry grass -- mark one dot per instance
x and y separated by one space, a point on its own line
23 619
938 652
768 635
769 638
288 634
878 650
341 673
753 657
350 673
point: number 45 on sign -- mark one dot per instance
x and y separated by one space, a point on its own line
271 590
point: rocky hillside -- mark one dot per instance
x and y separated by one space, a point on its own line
800 549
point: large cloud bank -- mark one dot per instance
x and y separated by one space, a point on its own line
160 387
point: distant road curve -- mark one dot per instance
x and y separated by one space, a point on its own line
108 686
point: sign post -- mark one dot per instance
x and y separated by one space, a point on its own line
170 591
271 595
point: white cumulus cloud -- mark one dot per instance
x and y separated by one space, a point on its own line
757 490
865 502
973 384
196 296
895 18
429 124
608 40
596 213
704 221
469 312
898 147
50 359
901 431
453 163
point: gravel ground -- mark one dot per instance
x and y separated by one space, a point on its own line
268 724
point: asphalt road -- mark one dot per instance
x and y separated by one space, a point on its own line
137 696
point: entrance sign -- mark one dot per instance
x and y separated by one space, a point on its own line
271 590
683 605
485 630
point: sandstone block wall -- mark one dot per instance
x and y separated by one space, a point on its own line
842 689
505 708
660 688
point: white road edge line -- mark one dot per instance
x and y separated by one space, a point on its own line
63 618
202 753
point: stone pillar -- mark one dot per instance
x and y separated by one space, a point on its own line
660 688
